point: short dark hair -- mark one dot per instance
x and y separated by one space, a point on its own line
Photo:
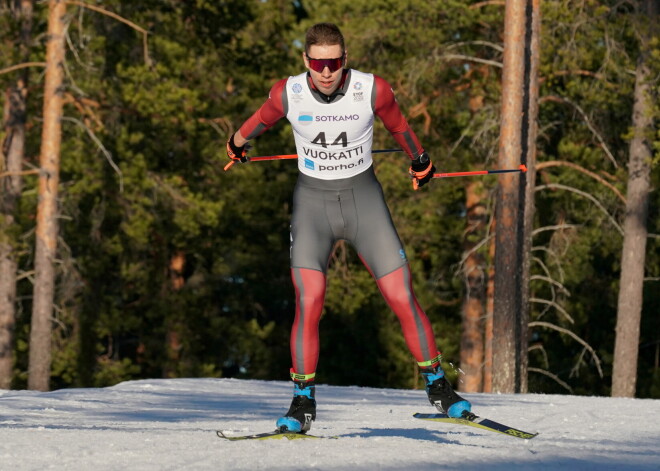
324 34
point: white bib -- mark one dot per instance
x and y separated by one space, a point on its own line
333 140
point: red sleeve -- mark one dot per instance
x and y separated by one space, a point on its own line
270 112
387 109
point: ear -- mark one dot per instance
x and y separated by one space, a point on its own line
304 56
345 58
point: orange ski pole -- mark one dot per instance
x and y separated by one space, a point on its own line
295 156
521 168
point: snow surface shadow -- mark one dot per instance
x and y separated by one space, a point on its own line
412 433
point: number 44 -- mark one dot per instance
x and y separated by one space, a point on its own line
342 140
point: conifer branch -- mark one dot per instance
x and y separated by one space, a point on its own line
539 346
574 336
23 65
559 186
478 60
579 168
543 265
554 228
474 6
558 99
493 45
552 282
23 172
121 19
101 147
550 375
555 305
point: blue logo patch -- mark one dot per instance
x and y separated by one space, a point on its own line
305 118
297 88
402 254
309 164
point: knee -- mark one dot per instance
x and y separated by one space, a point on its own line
310 287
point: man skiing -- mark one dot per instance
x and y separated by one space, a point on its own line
337 196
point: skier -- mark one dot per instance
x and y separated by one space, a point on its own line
331 110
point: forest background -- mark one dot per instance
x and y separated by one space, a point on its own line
169 266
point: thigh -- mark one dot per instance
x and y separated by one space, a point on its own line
311 235
377 240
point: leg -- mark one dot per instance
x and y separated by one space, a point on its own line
311 244
312 240
380 249
397 290
310 294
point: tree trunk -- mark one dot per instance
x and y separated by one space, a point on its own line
517 138
629 311
47 211
12 153
488 324
173 343
475 270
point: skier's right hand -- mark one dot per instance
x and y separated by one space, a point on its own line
236 153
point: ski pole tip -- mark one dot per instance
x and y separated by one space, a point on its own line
228 166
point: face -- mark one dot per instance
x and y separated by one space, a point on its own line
325 81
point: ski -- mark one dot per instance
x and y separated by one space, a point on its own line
275 435
475 421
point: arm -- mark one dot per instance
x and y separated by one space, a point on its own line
387 109
273 109
265 117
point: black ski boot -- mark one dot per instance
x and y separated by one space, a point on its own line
302 411
442 396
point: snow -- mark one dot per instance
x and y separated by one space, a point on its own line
170 424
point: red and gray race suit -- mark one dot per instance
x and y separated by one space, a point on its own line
337 197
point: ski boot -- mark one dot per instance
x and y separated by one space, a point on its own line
442 396
302 411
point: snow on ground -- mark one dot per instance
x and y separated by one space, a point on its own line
170 425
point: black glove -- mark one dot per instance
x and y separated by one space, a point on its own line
236 153
421 170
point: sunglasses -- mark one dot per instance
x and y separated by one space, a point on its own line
332 64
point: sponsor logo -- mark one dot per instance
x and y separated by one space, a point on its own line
334 168
332 155
310 164
305 118
358 96
402 254
335 118
357 86
297 88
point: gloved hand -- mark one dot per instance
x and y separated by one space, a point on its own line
235 153
421 170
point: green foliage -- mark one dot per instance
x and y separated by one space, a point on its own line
173 267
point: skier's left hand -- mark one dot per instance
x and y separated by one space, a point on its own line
421 170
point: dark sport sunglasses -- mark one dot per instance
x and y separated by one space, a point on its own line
332 64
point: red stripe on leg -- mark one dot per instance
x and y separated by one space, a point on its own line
310 295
